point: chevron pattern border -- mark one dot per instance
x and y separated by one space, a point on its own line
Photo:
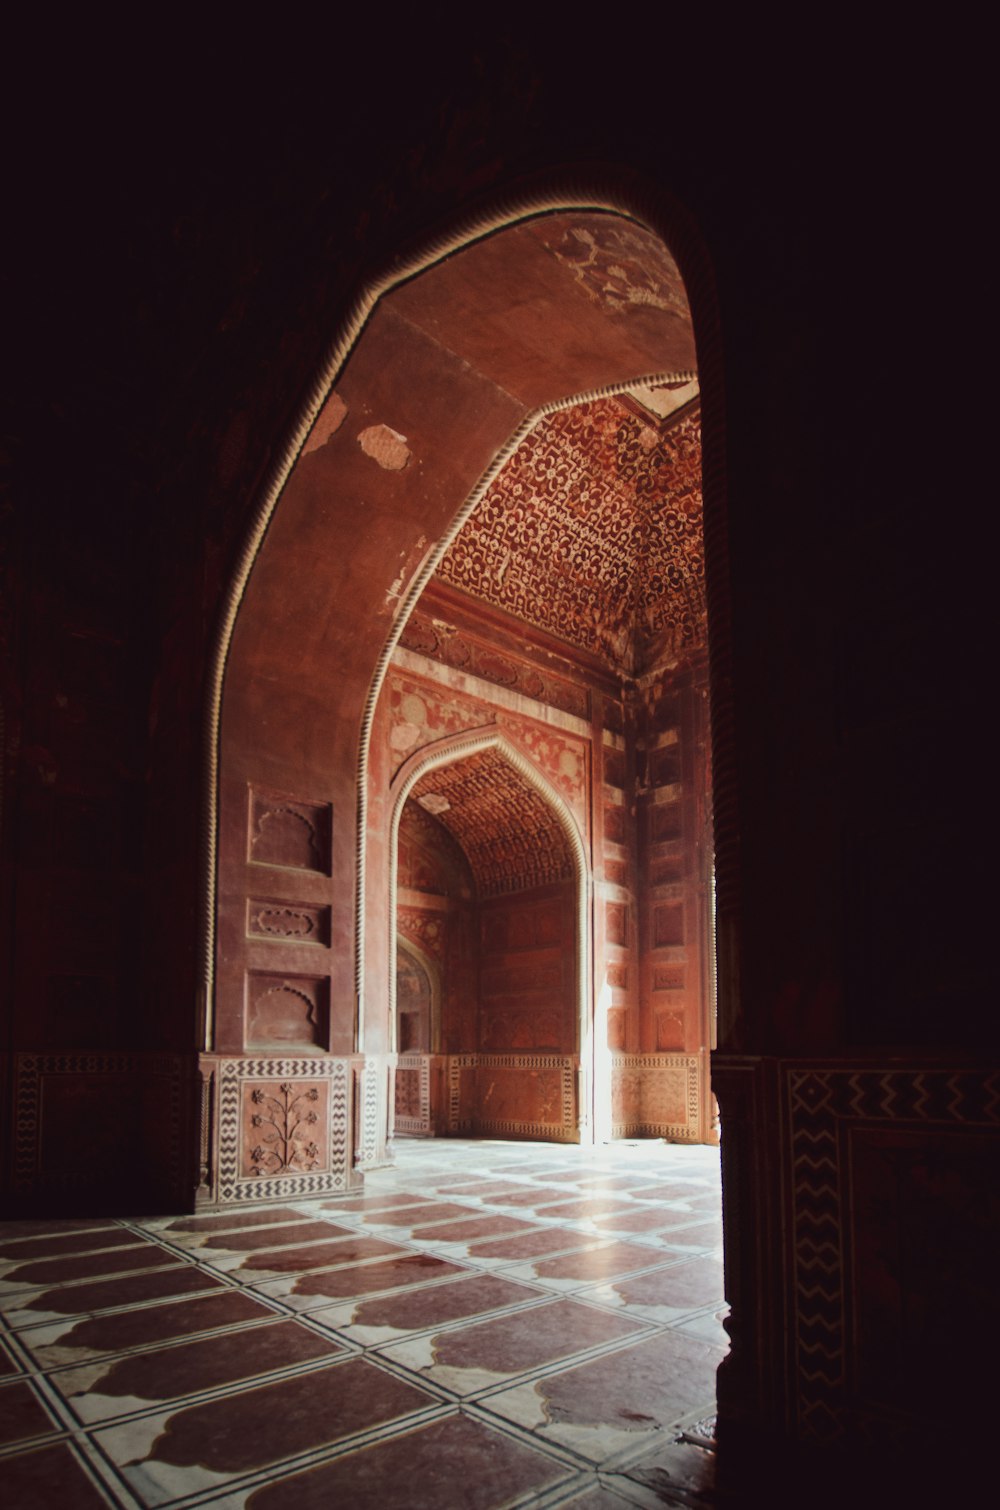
234 1075
820 1103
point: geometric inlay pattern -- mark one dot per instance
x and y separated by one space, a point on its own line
592 532
823 1105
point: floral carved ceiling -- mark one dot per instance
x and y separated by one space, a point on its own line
592 532
509 833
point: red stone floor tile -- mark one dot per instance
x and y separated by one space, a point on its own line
532 1244
271 1422
586 1210
22 1414
424 1469
648 1219
142 1325
530 1196
471 1230
486 1188
47 1271
442 1303
643 1387
372 1202
703 1235
344 1250
429 1211
190 1367
50 1478
68 1242
599 1263
43 1227
7 1364
231 1221
603 1182
71 1300
690 1285
294 1232
528 1339
341 1284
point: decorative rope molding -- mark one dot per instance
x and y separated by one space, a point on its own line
508 211
460 747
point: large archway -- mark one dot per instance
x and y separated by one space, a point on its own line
428 404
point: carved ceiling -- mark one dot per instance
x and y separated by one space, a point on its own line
592 532
509 833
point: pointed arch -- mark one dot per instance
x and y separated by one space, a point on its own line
450 751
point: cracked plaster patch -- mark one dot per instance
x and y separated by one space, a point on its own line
385 446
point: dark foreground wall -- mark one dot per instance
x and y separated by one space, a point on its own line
178 273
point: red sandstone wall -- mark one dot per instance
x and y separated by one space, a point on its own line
527 971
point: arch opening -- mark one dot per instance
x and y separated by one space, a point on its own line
425 414
487 870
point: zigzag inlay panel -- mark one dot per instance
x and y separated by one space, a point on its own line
298 1157
826 1109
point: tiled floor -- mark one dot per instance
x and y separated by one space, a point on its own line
489 1324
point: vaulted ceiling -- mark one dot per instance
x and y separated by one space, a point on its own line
508 831
592 531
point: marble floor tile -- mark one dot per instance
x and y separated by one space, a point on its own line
131 1290
605 1408
20 1249
393 1316
75 1341
308 1291
22 1414
52 1477
475 1357
179 1452
345 1250
486 1324
421 1470
117 1386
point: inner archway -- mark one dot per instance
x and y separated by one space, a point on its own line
487 871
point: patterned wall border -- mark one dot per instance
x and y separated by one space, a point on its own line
819 1102
421 1063
565 1131
687 1131
30 1070
232 1076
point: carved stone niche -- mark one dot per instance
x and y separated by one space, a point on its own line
287 1011
288 922
288 832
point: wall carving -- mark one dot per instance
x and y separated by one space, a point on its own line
286 1010
289 833
668 925
288 1080
592 532
509 833
430 636
515 1095
288 922
413 1095
427 929
282 1128
655 1095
